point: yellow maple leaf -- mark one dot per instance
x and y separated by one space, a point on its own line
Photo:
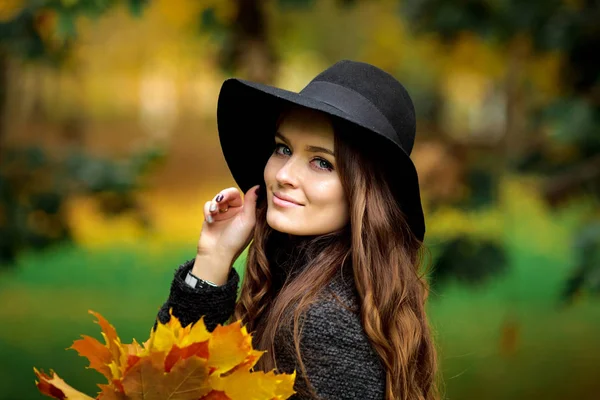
231 345
172 333
264 385
176 362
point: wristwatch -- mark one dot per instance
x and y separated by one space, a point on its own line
197 283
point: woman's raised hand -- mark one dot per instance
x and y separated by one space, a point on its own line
228 223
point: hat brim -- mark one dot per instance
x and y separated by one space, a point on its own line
247 113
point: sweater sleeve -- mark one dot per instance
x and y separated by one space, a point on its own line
338 356
188 304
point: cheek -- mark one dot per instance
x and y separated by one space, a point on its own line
270 170
327 193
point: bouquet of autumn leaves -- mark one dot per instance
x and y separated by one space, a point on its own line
175 363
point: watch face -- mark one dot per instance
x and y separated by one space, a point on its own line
200 284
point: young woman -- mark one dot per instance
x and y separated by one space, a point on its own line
333 217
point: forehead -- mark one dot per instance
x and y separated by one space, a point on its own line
301 124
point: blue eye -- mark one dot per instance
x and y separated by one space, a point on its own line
323 165
277 146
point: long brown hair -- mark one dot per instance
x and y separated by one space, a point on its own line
381 254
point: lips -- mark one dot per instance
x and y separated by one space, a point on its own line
286 198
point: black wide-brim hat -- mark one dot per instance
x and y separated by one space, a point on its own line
361 94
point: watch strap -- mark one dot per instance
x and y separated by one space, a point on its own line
195 282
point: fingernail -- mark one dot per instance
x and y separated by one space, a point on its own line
213 207
219 198
209 219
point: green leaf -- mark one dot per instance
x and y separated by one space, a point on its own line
136 7
65 28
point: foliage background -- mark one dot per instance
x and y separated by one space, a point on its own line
109 149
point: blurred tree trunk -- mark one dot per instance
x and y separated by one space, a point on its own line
511 142
3 93
250 51
515 134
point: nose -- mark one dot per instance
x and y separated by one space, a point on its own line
288 173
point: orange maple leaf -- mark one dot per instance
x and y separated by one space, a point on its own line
187 380
179 363
96 352
103 358
55 387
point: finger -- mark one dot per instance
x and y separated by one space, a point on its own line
220 205
221 211
250 201
215 208
230 213
207 214
231 196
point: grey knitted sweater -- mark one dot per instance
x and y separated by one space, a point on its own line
340 361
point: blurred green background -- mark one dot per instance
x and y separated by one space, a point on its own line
109 149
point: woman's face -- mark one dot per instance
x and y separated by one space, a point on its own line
302 168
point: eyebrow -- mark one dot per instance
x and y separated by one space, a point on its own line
313 149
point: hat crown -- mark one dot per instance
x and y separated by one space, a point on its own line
382 90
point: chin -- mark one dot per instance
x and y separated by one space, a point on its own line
279 224
282 224
291 228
